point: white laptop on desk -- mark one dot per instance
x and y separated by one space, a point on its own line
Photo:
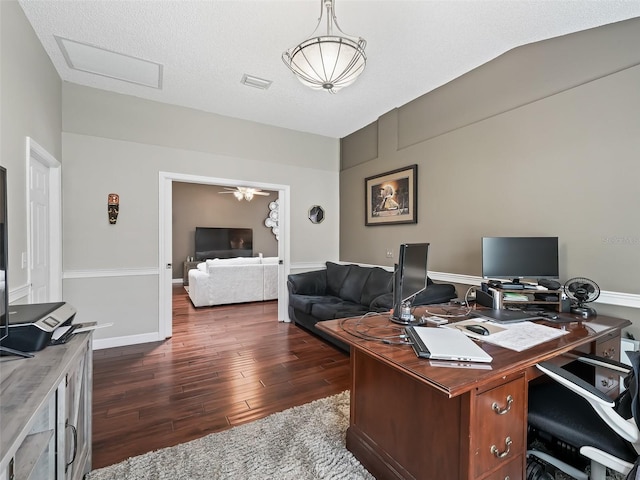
445 344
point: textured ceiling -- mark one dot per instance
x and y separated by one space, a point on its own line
206 47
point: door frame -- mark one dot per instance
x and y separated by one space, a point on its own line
165 247
36 153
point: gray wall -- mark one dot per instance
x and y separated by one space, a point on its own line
30 99
196 205
121 144
543 140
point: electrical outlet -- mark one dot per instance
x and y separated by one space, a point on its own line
389 253
24 260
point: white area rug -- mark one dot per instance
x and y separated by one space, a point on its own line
305 442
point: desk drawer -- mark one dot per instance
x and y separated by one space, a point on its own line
511 471
498 431
605 380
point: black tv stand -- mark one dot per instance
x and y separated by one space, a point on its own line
6 351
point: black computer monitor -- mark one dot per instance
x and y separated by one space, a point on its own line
514 258
410 279
4 287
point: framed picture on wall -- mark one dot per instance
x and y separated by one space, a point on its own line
392 197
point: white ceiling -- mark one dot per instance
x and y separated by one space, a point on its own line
205 48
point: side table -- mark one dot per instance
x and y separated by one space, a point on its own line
186 266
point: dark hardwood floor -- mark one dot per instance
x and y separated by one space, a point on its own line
224 366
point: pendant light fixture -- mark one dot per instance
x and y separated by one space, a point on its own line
327 61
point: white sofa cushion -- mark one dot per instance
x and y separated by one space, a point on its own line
218 262
245 279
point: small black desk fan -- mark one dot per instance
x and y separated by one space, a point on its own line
581 291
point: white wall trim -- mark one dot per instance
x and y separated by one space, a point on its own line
456 278
619 299
100 343
20 292
606 297
121 272
306 266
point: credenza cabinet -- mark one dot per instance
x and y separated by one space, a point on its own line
45 413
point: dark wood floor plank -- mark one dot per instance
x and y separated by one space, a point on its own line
224 366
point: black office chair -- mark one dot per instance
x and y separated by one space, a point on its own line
572 424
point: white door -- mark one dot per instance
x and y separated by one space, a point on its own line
39 254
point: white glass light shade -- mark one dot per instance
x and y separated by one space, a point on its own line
327 63
238 195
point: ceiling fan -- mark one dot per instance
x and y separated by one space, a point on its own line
244 192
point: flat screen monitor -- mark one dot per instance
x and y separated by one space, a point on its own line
4 286
410 278
514 258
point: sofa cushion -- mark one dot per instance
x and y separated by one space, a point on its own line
435 293
234 261
378 283
336 274
305 303
354 283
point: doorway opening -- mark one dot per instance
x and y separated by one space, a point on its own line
165 282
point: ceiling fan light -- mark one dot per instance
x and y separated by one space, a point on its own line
238 195
327 62
248 196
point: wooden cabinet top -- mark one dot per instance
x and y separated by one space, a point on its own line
27 383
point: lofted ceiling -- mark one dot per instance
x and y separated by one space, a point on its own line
204 48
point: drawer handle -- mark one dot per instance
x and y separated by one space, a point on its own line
496 452
501 411
74 432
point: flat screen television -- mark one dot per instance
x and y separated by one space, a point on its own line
515 258
4 286
4 260
410 279
219 242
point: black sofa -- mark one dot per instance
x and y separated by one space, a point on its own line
349 290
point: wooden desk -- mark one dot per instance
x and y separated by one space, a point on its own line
413 419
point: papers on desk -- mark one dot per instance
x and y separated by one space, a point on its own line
514 336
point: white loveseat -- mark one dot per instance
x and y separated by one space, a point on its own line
234 280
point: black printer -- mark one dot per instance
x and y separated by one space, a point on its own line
32 325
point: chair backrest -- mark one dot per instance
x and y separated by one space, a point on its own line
627 403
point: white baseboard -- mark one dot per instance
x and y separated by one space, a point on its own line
101 343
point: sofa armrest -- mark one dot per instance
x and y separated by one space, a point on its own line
308 283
